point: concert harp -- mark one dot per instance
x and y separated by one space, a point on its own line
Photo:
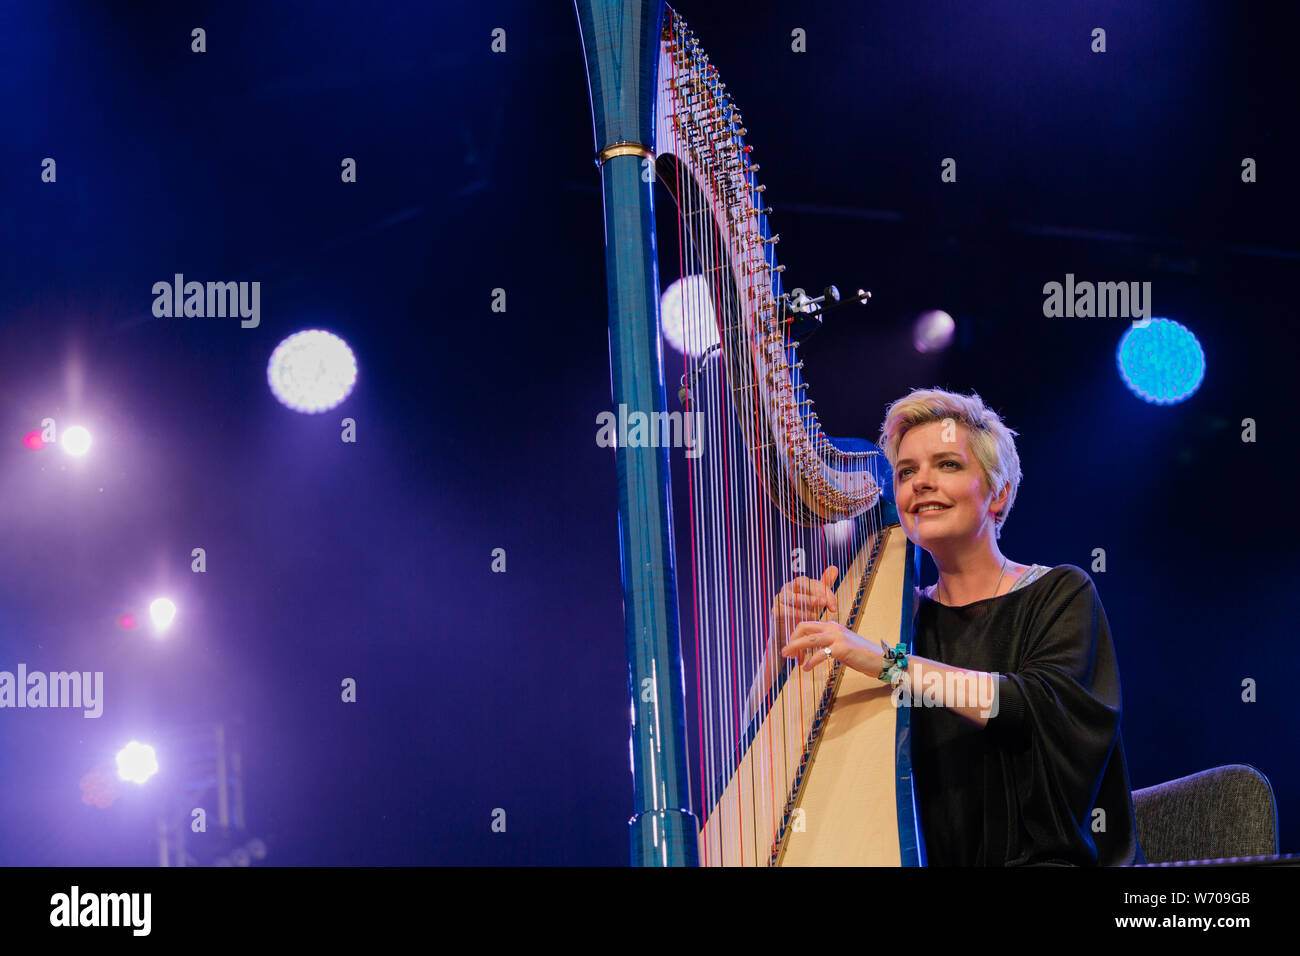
792 767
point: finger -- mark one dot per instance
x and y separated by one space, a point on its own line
805 586
806 606
809 635
807 594
810 600
807 629
816 655
802 639
829 577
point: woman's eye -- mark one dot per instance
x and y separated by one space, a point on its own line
904 471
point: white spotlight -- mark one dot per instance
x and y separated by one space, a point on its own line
76 441
837 534
163 613
136 762
933 331
688 317
312 371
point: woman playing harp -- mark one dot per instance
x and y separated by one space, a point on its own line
1016 745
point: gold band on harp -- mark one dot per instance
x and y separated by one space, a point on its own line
624 149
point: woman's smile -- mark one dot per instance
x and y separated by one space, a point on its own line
932 509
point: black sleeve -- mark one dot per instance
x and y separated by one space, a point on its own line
1058 713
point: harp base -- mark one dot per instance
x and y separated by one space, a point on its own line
665 838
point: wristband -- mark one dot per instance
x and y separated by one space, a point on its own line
895 664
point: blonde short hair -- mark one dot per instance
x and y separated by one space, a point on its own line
990 441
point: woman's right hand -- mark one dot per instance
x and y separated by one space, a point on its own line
802 599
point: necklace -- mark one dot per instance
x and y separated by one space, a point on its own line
995 587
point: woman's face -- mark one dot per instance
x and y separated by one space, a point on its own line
934 470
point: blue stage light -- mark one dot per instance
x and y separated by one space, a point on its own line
1161 362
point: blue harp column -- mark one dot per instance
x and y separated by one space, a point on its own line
621 40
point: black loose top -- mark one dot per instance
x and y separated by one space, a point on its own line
1023 788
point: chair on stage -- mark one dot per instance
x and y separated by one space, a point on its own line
1217 814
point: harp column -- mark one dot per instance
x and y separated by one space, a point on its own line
621 40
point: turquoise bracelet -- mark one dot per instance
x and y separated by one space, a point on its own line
895 664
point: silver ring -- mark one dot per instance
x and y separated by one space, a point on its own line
827 651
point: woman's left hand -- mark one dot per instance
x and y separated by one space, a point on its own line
811 637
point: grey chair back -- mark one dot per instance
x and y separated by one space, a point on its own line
1224 812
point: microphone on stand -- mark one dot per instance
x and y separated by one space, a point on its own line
803 322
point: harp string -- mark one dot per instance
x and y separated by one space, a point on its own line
717 677
741 535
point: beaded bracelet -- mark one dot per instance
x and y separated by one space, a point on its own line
895 664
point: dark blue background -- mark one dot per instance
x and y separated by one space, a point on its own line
476 429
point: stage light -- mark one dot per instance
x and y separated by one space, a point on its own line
312 371
1161 361
163 612
76 441
688 317
126 621
136 762
34 441
932 331
837 534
